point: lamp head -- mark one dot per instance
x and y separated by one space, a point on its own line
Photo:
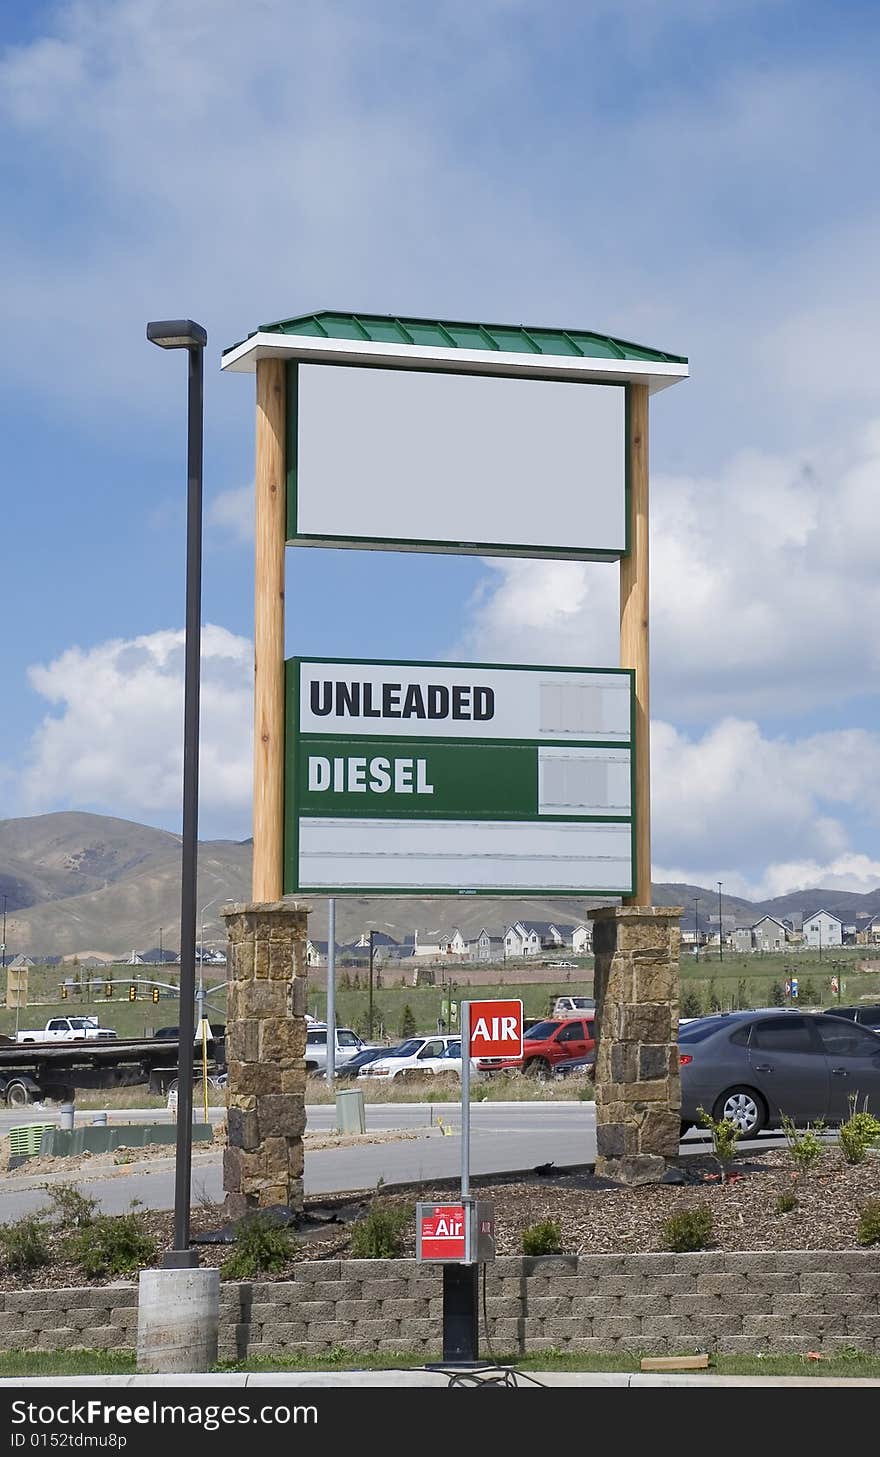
177 334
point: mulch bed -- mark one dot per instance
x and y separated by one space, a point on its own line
596 1217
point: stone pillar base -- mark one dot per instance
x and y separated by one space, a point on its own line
265 1045
638 1091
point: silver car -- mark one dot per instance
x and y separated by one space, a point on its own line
753 1067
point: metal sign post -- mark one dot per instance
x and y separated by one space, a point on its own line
465 1099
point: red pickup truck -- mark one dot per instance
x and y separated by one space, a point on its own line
548 1043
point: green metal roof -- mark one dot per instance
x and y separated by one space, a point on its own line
443 334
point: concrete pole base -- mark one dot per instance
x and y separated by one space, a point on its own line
178 1320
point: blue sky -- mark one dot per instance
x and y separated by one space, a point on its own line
698 175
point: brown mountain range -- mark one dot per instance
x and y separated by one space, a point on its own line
79 883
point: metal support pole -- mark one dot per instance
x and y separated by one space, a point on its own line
465 1014
370 1008
331 990
461 1307
181 1256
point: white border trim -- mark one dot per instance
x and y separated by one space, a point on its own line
243 360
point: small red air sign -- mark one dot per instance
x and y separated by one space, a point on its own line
443 1232
496 1029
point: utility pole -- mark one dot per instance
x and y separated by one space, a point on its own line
720 927
370 1006
697 924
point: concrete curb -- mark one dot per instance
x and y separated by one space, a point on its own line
530 1381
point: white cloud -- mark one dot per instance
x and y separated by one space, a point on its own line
764 815
764 591
115 743
233 510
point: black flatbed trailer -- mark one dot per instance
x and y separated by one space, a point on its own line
36 1070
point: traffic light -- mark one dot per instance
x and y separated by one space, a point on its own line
155 994
108 989
132 992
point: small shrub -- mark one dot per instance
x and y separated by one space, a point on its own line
689 1229
407 1023
869 1223
70 1208
112 1244
856 1135
691 1006
725 1134
543 1238
805 1149
379 1235
786 1203
24 1243
777 994
261 1248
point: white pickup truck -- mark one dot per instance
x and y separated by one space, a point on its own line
67 1029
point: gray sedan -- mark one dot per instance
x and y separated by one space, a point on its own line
752 1067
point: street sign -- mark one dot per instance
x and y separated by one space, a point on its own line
441 1232
794 986
496 1029
425 778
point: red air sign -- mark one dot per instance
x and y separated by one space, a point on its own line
442 1232
496 1029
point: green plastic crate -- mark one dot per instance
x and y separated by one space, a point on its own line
26 1140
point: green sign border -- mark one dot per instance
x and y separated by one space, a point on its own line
453 548
293 738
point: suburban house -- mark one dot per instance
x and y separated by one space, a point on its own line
431 943
530 938
458 946
868 930
823 929
582 939
488 947
768 934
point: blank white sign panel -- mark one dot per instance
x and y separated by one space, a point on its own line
450 462
476 855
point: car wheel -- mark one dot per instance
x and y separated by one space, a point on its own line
538 1067
745 1108
18 1095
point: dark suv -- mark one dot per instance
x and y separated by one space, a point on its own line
865 1016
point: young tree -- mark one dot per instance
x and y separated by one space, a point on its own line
691 1006
407 1023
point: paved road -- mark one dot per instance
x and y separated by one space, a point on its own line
504 1136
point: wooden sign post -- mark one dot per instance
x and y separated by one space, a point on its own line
634 639
271 495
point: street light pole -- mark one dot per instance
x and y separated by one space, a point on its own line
696 924
370 1008
720 927
184 334
5 898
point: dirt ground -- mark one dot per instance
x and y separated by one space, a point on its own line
595 1217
